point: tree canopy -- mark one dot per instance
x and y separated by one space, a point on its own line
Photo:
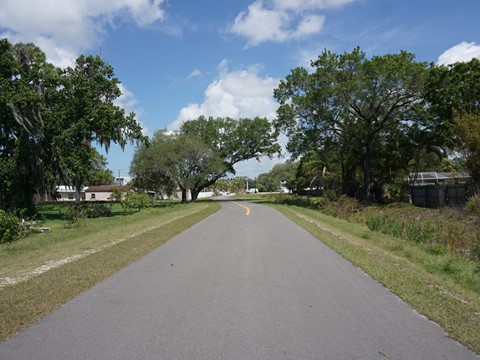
203 151
357 113
453 93
51 119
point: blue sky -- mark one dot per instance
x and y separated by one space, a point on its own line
179 59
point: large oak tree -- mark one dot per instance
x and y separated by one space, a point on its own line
203 151
51 120
358 112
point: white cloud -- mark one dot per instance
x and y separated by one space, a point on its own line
282 20
64 28
309 25
128 102
235 94
462 52
259 24
194 73
309 4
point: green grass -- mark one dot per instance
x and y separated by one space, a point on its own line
25 256
103 254
445 287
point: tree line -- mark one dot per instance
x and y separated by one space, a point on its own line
354 123
367 122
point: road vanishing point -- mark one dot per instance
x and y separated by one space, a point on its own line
246 283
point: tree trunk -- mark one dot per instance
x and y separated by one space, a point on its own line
78 193
184 195
349 185
367 169
195 193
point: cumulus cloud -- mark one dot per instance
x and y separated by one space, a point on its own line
64 28
463 52
128 102
282 20
258 24
235 94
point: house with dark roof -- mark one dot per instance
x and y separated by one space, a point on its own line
103 192
437 189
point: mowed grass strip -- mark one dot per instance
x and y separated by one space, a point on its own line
36 252
402 268
27 301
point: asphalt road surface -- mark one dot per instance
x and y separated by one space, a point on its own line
237 287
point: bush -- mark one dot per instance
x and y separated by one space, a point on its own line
301 201
395 193
75 215
330 195
393 227
96 210
438 250
345 207
375 222
473 204
11 228
134 200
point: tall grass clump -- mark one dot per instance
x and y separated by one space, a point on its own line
301 201
446 229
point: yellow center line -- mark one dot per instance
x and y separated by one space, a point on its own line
248 209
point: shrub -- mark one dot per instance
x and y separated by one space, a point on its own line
11 228
301 201
75 215
375 222
385 225
134 200
454 234
419 232
118 195
96 210
330 195
473 204
394 193
438 250
345 207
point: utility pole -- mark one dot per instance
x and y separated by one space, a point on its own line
119 179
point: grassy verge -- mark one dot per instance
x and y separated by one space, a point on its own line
37 252
402 267
25 302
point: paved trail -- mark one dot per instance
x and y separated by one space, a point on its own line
236 287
